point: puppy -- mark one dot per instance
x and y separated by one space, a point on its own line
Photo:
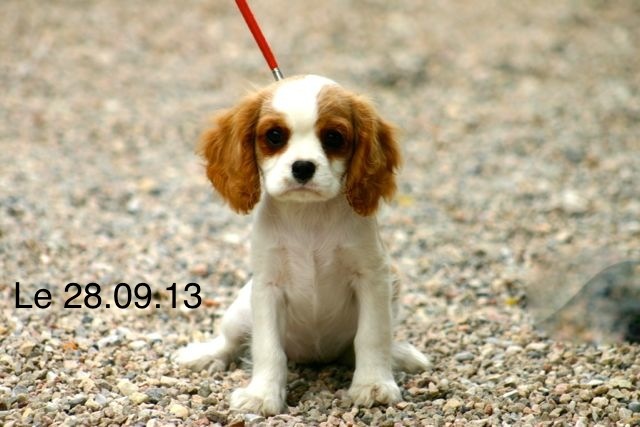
313 160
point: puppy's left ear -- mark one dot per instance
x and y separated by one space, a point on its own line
371 173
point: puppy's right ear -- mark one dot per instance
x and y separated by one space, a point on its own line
229 150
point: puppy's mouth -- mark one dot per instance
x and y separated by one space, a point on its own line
303 193
304 188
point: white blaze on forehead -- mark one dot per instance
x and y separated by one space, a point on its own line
297 99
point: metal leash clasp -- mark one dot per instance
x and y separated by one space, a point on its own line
259 38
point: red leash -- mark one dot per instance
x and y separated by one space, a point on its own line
259 37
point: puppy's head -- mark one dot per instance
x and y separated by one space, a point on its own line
302 139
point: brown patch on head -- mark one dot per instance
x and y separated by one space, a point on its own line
376 156
366 140
334 126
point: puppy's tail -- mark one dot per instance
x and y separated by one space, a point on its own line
408 358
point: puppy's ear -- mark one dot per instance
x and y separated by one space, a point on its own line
371 173
229 150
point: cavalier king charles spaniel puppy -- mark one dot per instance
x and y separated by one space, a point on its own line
313 160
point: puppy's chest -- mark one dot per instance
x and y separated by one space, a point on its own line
320 302
322 270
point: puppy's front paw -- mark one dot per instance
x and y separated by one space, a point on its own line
369 394
201 355
264 399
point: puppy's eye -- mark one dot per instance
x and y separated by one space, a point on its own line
332 139
276 137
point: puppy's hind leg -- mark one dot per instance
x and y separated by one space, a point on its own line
234 332
407 358
404 356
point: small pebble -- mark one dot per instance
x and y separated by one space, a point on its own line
556 412
78 399
600 402
155 394
137 344
452 405
513 349
586 395
237 421
92 404
620 382
101 399
52 407
26 348
537 346
403 405
510 394
565 398
138 398
5 359
200 270
168 381
561 388
600 390
126 387
179 410
464 356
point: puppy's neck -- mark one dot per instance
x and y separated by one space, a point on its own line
316 215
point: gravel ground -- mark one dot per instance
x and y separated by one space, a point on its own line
521 124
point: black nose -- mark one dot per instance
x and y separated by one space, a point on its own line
303 170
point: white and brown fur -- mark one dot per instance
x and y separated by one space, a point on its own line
313 161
